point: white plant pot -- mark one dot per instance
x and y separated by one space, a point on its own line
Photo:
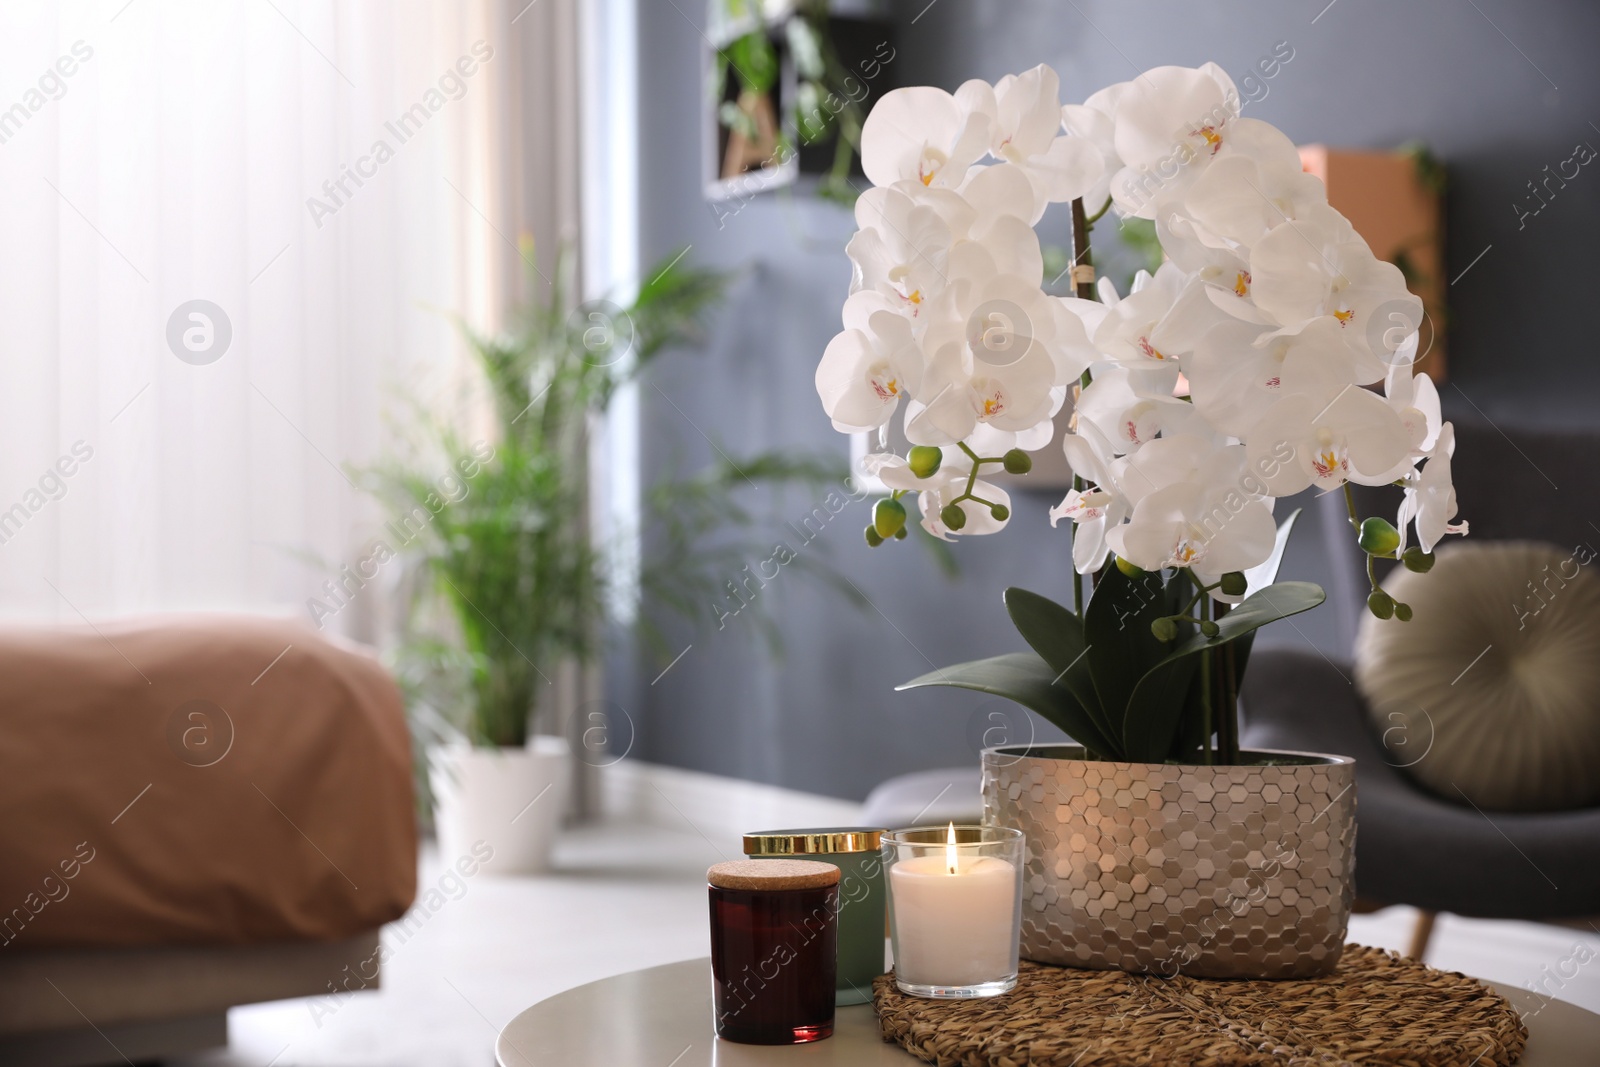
510 798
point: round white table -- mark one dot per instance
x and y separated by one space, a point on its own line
661 1017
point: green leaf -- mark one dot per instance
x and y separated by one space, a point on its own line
1267 605
1156 708
1260 577
1028 680
1057 635
1121 647
755 62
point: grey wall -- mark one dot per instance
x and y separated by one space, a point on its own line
1364 74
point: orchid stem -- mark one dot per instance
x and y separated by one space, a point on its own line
1350 506
1081 225
1230 691
1205 692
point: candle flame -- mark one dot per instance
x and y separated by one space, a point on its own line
950 848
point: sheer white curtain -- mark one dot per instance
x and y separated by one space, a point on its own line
333 176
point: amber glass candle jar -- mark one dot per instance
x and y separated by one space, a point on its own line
774 944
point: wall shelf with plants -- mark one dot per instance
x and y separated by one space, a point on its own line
788 85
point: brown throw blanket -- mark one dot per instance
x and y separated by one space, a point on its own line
203 780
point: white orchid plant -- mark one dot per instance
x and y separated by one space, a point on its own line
1238 373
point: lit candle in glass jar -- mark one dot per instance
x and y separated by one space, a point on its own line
955 909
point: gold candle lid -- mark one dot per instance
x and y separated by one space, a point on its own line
819 840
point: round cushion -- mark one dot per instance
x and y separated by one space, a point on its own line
1490 695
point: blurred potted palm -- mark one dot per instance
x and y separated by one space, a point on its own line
506 583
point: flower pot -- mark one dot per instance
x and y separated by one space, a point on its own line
510 798
1215 872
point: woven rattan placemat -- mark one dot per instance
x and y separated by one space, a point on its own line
1376 1008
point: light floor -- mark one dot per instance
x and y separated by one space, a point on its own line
625 898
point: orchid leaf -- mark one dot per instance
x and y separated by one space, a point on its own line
1028 680
1158 699
1156 708
1121 647
1260 577
1057 635
1266 605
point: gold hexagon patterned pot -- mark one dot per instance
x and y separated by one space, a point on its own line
1216 872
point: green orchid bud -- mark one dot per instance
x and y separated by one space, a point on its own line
1234 583
952 516
1417 560
1378 537
1209 628
900 534
1164 629
874 539
888 516
924 460
1017 461
1000 512
1402 612
1381 604
1128 567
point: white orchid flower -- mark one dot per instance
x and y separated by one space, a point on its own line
1318 266
987 439
1232 375
1131 407
1240 369
1224 272
902 249
1177 457
1159 322
1024 113
982 196
1430 497
1097 507
868 367
1252 187
990 362
1302 441
1209 522
1416 399
1092 121
1089 313
1170 123
995 237
922 134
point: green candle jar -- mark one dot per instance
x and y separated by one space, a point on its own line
854 850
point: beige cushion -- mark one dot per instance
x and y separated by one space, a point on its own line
1491 694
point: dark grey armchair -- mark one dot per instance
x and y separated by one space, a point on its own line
1412 847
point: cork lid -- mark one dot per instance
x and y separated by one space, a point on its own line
773 874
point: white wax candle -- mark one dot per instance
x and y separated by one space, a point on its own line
953 929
